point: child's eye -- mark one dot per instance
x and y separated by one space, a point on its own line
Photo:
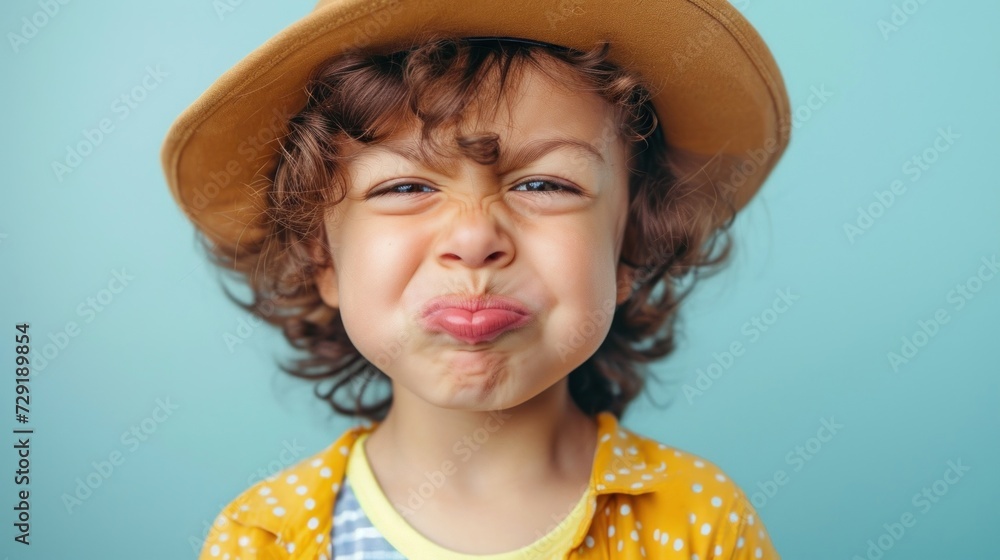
404 188
532 185
538 182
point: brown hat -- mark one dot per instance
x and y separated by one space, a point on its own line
715 85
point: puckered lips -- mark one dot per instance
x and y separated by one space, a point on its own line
474 319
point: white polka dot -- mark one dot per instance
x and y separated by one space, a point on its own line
717 501
220 521
325 472
344 450
301 490
621 545
316 462
757 553
279 511
625 509
244 540
720 478
605 438
733 517
750 519
699 464
706 528
632 450
271 500
636 485
319 538
292 479
609 477
624 471
313 523
647 477
264 490
656 535
691 518
214 551
590 541
290 547
739 543
635 535
611 530
678 543
223 537
618 451
718 550
696 487
310 503
664 538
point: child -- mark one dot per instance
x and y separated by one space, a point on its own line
481 219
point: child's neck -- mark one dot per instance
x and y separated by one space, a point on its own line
544 441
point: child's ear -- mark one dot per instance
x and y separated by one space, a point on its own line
624 283
324 274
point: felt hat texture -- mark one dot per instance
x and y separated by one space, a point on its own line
715 84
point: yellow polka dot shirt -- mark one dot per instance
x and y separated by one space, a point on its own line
644 500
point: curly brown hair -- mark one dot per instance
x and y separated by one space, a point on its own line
678 217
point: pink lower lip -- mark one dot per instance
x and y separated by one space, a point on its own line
476 326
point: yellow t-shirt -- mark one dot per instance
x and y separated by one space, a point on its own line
646 500
411 544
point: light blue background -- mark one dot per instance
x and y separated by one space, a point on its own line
825 357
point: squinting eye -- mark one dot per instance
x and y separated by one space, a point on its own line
393 189
413 188
538 182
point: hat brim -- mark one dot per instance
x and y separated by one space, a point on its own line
716 87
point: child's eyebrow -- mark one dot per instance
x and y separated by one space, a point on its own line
510 159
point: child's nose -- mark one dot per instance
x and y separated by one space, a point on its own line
475 237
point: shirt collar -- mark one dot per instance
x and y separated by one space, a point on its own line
624 462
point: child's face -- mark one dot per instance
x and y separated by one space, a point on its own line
477 229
